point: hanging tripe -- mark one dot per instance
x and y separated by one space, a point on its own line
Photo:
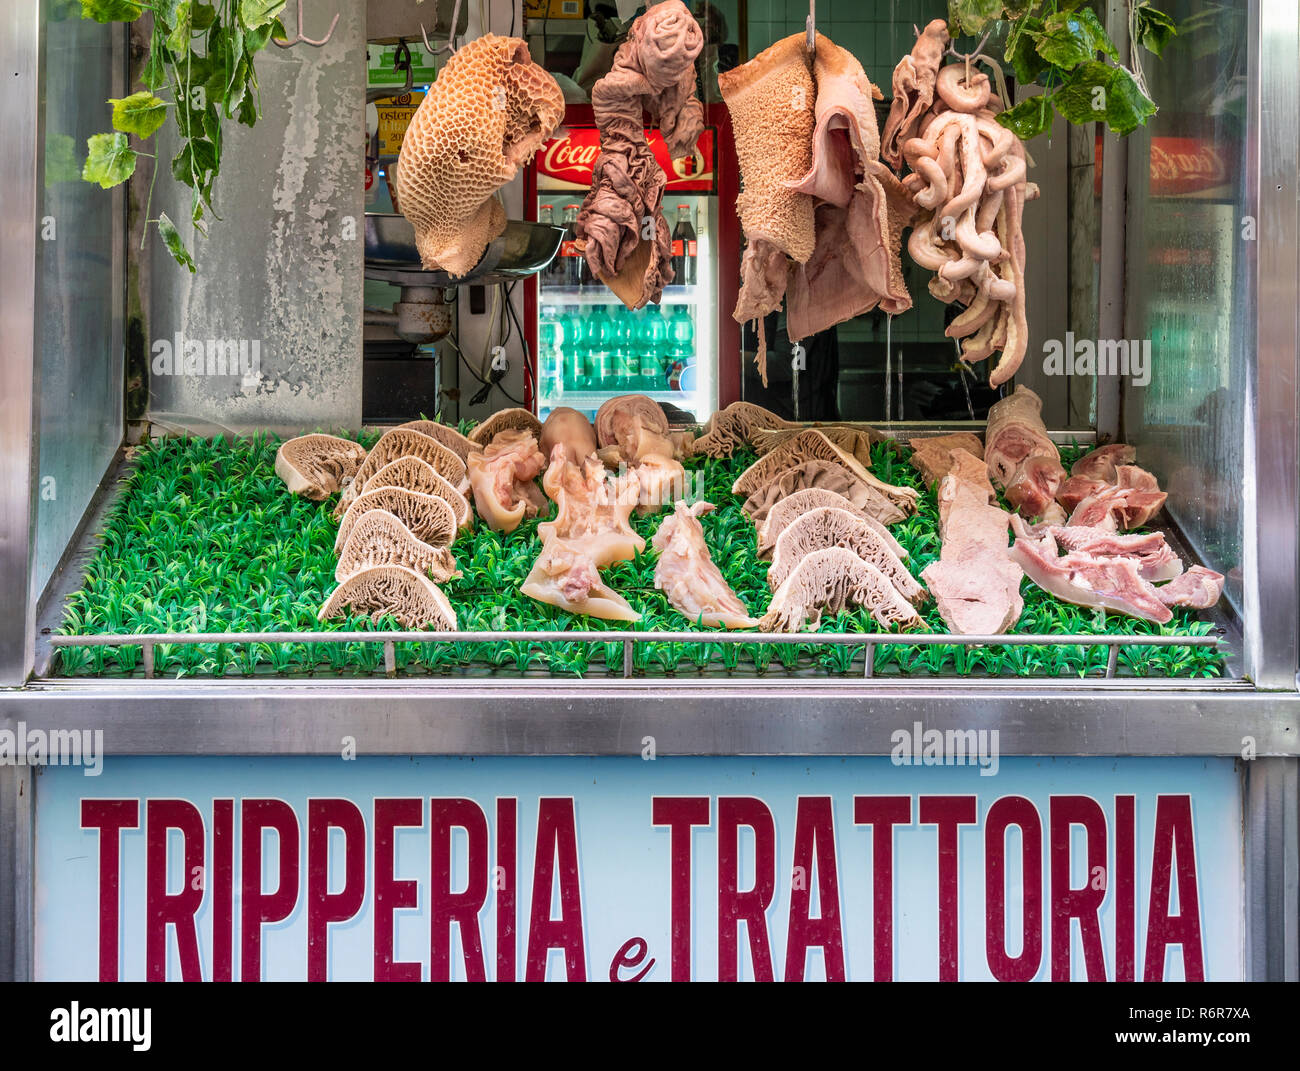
822 215
621 229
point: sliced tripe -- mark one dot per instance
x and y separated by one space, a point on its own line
415 475
415 601
380 538
430 518
832 580
793 506
829 527
316 466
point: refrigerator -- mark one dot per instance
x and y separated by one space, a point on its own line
586 346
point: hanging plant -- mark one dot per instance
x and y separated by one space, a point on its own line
200 69
1057 44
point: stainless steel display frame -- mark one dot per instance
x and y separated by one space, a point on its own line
703 717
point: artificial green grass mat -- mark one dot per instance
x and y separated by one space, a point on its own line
205 538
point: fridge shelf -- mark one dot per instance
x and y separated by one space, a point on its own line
599 295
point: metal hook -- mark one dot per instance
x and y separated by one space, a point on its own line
450 46
303 38
811 27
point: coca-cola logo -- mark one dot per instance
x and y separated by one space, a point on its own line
564 154
1178 160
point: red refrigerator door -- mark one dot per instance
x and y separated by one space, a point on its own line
559 175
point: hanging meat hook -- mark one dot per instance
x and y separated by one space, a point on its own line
450 46
303 38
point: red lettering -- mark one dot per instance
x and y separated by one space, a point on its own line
323 906
1085 902
814 848
882 813
507 914
557 836
1125 883
680 814
1173 839
448 908
163 909
948 812
222 882
749 906
1020 812
257 907
391 895
626 957
110 817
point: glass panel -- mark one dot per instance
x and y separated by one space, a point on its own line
1190 294
80 293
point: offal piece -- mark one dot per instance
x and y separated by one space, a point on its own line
503 477
415 601
687 575
415 475
636 425
570 429
829 527
1015 432
594 509
854 439
813 445
913 85
1155 558
1198 589
1032 490
829 581
315 466
488 111
404 442
565 577
771 100
654 71
453 440
976 587
380 538
932 456
736 426
822 475
429 517
1088 579
505 420
861 208
791 508
1099 464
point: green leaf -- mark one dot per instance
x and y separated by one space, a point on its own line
1097 32
1085 94
1068 39
109 161
192 164
1127 107
255 13
111 10
61 161
1154 28
1022 50
140 114
154 75
248 110
202 16
971 16
172 239
1029 118
179 39
258 39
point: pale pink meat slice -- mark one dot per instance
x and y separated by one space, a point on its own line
1198 589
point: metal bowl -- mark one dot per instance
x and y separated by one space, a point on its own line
523 249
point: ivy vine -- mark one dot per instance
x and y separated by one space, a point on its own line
1062 46
200 69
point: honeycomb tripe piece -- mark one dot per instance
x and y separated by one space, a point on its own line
490 108
771 100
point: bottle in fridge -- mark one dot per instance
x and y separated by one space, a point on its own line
685 248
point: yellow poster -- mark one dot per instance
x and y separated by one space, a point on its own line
394 117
